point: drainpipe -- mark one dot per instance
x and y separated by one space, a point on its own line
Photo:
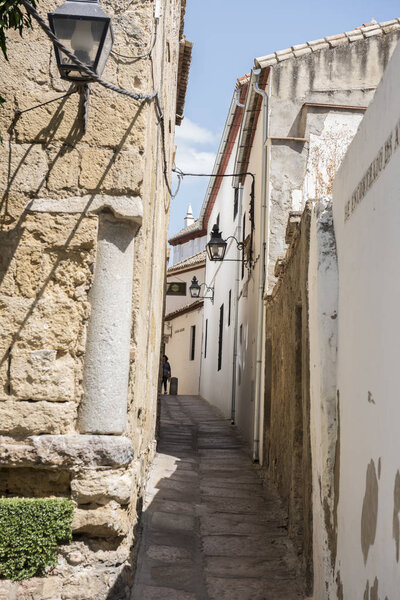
262 275
236 298
237 98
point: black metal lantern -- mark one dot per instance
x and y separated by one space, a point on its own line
194 288
85 29
216 247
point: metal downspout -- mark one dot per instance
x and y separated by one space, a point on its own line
237 99
262 275
236 297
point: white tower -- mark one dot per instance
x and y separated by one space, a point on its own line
189 219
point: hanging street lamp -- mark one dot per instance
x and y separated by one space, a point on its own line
84 29
216 247
195 288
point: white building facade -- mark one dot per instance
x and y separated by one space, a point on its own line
183 321
366 220
288 125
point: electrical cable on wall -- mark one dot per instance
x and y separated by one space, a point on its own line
147 54
181 175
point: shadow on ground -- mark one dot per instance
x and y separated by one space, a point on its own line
210 529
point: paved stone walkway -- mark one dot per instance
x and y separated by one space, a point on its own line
211 530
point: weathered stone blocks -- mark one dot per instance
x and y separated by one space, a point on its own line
42 375
67 450
106 170
60 231
28 168
25 418
63 174
34 482
93 486
55 122
55 322
101 521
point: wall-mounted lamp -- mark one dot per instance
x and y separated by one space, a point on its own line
195 288
216 247
84 29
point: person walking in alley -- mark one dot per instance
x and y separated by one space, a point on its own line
166 372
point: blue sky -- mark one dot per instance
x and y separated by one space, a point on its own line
227 36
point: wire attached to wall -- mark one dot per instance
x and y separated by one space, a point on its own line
94 77
181 175
147 54
144 97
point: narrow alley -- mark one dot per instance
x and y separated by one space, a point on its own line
211 529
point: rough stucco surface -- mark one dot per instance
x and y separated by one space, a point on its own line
345 75
287 399
47 260
324 417
366 216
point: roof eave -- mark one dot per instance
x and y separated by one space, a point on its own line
246 133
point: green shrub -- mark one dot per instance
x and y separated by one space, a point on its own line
30 531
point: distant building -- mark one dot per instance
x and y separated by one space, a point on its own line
183 322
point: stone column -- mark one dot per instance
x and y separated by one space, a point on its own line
106 369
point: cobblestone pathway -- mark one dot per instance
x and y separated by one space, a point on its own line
211 530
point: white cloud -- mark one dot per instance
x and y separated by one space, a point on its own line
190 160
194 134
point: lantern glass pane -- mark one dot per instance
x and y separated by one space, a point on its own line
80 36
105 52
216 250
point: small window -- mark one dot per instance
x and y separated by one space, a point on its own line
229 307
192 341
243 238
235 203
205 339
240 344
220 334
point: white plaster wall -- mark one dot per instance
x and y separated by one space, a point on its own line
249 298
326 151
175 302
177 349
323 306
188 249
368 246
216 386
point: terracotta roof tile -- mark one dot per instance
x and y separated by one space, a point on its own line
189 229
299 47
359 33
302 52
184 309
196 259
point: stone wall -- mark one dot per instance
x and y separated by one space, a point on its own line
287 451
75 207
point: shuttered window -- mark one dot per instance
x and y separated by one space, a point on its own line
220 334
192 341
